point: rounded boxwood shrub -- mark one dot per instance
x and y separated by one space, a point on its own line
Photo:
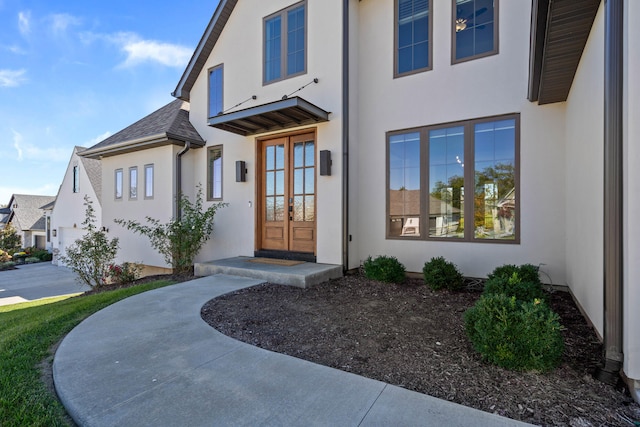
442 274
525 272
385 269
514 335
514 287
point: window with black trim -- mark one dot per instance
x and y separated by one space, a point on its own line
429 168
76 179
412 36
118 184
285 44
216 105
214 179
474 29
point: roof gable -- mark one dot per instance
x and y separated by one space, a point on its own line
27 210
204 48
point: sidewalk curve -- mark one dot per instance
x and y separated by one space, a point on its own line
150 360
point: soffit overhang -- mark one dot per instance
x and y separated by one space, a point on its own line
284 114
559 33
146 143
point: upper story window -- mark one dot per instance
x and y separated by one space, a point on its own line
133 182
216 105
285 44
214 158
118 184
412 36
475 29
455 182
148 181
76 179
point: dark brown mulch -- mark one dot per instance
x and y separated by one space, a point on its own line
413 337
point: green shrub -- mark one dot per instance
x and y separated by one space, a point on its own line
9 239
8 265
46 256
514 335
385 269
125 273
442 274
514 287
525 272
31 260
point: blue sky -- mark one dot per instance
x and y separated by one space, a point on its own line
74 72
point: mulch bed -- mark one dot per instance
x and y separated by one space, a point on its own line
412 337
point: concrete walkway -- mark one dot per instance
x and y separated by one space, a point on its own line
150 360
30 282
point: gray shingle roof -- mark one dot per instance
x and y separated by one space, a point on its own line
93 168
27 210
170 121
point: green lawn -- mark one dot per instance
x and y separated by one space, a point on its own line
27 332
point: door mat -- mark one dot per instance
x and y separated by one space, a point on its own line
273 261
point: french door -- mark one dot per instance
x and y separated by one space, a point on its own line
287 194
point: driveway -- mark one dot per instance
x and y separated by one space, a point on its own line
34 281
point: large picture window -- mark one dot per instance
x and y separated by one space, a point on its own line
474 28
429 168
285 44
412 36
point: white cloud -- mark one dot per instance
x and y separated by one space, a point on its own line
15 49
139 51
61 21
12 78
99 138
26 151
24 22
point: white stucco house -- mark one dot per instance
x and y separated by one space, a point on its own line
83 177
469 129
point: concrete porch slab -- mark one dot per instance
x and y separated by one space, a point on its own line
300 275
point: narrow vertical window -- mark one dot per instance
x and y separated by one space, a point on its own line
148 181
412 36
475 29
216 105
118 184
76 179
404 185
285 44
133 182
215 173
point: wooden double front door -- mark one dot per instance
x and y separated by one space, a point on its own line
287 194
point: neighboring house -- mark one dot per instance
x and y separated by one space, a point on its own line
83 177
140 174
28 218
4 216
317 113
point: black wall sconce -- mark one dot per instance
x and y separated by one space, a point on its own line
55 232
241 171
325 163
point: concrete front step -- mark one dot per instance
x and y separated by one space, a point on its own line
300 275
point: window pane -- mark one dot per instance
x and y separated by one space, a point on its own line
446 182
271 205
404 185
215 92
133 183
76 179
270 157
279 209
309 154
495 192
474 26
309 181
298 181
148 181
309 208
279 183
280 157
298 208
412 35
118 184
272 54
271 188
298 155
484 39
295 41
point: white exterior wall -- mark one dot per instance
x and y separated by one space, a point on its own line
69 211
493 85
584 177
631 292
133 247
239 48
